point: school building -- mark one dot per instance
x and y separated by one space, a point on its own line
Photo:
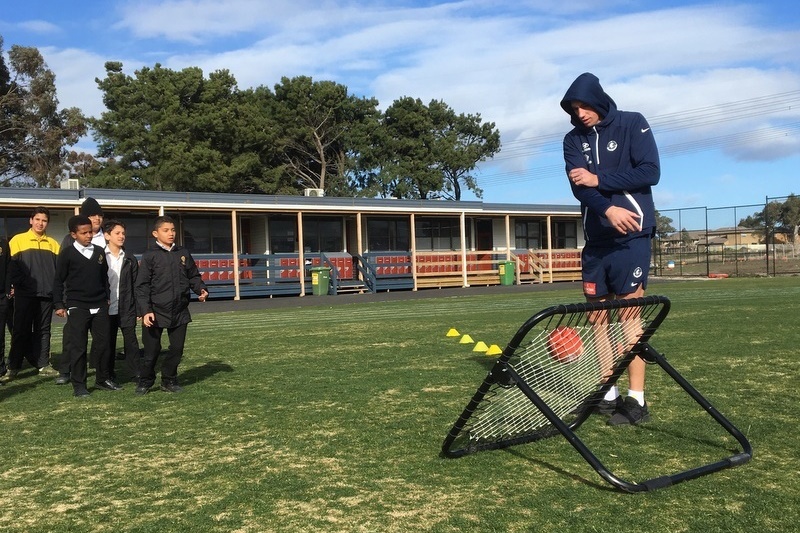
264 246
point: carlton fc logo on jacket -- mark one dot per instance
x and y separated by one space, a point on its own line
587 153
612 145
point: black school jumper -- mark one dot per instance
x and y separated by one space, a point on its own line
81 285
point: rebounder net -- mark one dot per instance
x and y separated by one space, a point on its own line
555 370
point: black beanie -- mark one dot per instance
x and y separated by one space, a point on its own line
91 207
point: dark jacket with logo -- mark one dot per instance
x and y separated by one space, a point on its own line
621 151
163 284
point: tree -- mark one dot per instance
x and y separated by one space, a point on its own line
766 220
34 133
177 130
321 128
664 226
686 239
407 152
427 151
460 142
80 166
168 130
789 217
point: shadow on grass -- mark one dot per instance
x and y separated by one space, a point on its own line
205 371
691 436
485 361
561 471
16 386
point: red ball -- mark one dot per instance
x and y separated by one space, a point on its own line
564 344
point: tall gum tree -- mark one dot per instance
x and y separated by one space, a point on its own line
34 132
322 131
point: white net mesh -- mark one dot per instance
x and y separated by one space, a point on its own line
563 371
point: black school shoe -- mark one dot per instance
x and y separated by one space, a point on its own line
630 413
108 384
171 387
81 392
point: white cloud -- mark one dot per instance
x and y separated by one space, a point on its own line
510 63
75 72
38 26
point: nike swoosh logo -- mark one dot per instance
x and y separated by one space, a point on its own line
645 130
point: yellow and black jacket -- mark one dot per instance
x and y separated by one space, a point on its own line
32 268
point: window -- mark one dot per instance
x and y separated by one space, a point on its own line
138 230
388 235
565 234
282 235
18 221
528 234
207 234
323 234
438 234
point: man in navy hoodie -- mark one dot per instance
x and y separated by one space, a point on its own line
612 163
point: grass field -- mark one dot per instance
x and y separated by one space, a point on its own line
331 418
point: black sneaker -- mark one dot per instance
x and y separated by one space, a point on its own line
141 390
630 412
608 407
62 379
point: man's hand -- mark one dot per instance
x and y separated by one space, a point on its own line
149 319
61 313
581 176
203 295
624 221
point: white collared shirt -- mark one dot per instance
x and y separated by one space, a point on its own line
86 251
99 238
114 270
169 249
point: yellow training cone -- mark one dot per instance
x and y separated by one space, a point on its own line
453 333
494 350
480 347
466 339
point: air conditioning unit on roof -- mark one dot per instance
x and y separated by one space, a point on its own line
70 183
314 192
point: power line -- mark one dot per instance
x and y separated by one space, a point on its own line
761 106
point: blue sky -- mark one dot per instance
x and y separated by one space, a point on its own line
719 82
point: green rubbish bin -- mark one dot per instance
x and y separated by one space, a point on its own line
506 271
320 280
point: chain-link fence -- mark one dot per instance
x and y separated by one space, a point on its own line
713 242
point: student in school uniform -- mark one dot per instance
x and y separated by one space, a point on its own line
31 268
166 275
91 209
81 295
122 271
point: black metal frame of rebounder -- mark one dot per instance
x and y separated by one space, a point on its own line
504 374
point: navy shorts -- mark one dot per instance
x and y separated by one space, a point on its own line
618 269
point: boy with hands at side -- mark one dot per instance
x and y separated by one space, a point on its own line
167 273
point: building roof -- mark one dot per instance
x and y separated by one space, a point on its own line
170 200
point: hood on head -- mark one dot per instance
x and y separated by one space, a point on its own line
587 89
